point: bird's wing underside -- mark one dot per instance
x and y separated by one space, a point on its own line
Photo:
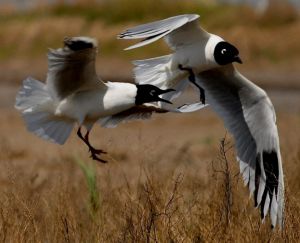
142 112
249 115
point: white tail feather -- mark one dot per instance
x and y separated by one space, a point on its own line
36 106
47 126
31 94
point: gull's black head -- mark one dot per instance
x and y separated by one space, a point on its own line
226 53
149 93
79 43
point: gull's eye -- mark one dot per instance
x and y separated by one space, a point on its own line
152 92
223 51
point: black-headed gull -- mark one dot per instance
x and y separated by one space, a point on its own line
244 107
194 49
74 93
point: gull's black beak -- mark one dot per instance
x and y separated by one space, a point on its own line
163 92
147 93
166 91
163 100
238 59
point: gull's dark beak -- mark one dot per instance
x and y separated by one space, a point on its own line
163 100
163 92
166 91
238 59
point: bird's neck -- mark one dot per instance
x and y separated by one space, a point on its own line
122 92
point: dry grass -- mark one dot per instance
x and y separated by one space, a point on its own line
168 180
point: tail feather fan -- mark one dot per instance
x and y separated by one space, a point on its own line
34 101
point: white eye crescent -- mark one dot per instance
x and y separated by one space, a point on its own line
223 51
152 92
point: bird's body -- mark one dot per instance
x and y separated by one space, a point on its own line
193 48
196 55
78 93
206 60
73 93
114 98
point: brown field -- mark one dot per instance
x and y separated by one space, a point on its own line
168 179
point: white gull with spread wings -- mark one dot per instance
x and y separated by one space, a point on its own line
206 60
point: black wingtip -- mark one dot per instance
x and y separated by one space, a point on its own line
123 34
271 169
255 203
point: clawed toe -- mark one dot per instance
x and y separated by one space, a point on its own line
97 151
202 95
94 152
95 157
202 99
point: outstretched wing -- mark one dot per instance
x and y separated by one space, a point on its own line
249 115
143 112
72 68
178 31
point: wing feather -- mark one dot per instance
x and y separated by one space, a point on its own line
177 30
70 70
249 115
145 111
